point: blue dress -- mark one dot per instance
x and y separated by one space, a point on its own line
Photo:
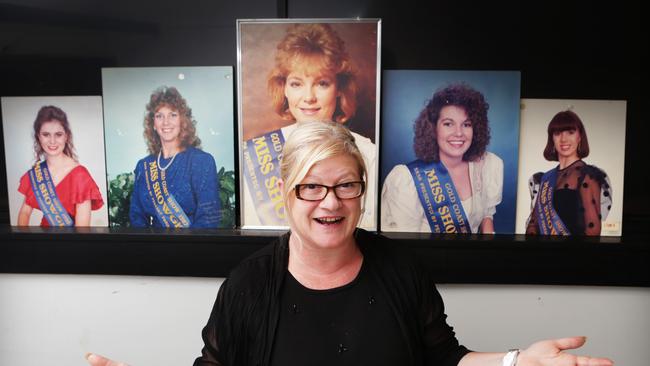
191 179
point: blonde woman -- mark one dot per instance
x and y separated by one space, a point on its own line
328 293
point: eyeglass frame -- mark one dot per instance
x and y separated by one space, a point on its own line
328 189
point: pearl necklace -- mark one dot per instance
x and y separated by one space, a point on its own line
168 164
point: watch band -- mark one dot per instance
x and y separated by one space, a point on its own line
510 359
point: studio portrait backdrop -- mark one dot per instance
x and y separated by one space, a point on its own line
84 115
293 71
604 126
208 96
405 95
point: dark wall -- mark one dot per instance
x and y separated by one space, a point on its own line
568 51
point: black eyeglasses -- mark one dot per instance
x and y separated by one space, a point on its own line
317 192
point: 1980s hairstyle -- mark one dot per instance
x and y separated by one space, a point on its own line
301 44
312 142
170 97
566 121
459 95
52 113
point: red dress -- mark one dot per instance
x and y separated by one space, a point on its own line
76 187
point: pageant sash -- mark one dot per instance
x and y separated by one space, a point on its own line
262 156
45 194
439 198
168 211
548 221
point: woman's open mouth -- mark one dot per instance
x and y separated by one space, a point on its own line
330 220
309 111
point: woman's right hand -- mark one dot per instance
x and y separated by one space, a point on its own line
97 360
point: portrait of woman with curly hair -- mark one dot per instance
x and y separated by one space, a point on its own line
176 185
312 72
455 183
180 120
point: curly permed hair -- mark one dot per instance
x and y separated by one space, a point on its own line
169 96
300 45
459 95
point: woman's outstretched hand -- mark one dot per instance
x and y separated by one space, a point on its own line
550 353
97 360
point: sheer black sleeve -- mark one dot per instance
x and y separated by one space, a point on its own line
441 347
213 331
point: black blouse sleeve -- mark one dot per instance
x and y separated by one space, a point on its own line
214 331
441 347
590 196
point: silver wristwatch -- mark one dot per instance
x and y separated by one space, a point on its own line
510 359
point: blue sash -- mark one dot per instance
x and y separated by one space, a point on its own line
439 198
262 156
548 221
168 211
45 194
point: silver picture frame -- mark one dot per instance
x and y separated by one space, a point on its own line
265 118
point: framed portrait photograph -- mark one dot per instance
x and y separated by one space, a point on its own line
169 146
54 149
571 167
449 151
297 71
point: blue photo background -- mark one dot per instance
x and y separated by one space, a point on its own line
406 92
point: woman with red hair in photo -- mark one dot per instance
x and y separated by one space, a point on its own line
313 79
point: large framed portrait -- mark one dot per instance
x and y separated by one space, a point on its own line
169 146
449 151
54 149
297 71
571 167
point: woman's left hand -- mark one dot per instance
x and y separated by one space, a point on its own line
550 353
97 360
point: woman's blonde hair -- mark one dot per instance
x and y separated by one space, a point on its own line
301 44
313 142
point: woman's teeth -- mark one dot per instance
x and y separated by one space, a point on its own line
328 220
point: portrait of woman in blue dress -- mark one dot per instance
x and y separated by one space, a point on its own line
176 185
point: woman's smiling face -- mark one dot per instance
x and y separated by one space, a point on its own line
167 123
52 138
311 91
330 222
566 143
454 132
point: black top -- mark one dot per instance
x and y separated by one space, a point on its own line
568 205
244 322
576 198
348 325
